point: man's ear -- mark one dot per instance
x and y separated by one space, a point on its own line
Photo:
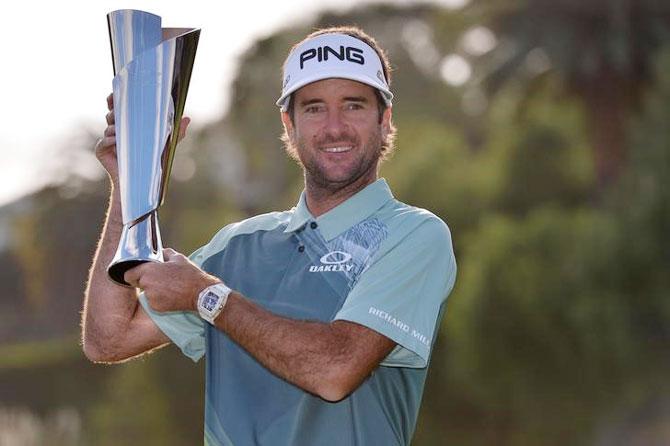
386 122
288 124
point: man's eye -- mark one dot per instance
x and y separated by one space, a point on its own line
354 106
313 109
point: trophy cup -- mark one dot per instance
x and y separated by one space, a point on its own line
152 69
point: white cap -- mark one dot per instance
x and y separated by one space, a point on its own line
332 55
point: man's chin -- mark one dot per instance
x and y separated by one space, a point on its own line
336 176
335 182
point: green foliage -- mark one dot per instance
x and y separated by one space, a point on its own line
562 309
535 298
602 51
36 354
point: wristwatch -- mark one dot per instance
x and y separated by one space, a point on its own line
211 301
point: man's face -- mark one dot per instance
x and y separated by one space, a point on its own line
337 132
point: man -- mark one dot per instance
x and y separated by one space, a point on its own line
317 322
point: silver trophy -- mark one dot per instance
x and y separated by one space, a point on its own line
152 69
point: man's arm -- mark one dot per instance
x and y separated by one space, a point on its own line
327 359
115 327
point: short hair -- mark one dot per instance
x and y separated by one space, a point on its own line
357 33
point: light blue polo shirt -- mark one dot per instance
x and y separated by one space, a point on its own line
371 260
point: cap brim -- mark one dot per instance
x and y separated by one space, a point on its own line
283 101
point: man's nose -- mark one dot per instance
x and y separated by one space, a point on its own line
335 124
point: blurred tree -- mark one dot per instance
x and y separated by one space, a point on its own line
602 50
561 312
11 287
53 240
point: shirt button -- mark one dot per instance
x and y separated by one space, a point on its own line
313 225
301 248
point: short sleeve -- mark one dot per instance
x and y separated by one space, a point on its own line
402 293
184 328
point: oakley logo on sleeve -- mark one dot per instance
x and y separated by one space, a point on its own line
322 53
333 261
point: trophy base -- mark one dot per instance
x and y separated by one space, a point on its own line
140 243
117 270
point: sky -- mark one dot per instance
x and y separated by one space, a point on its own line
56 69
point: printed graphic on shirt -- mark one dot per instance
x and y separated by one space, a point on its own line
352 251
400 324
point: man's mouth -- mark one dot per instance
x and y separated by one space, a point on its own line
338 149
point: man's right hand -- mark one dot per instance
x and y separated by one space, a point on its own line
105 149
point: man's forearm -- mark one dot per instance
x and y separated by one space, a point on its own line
326 359
108 307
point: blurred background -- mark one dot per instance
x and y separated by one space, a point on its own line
539 130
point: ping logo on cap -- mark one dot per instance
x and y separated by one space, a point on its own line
321 53
332 55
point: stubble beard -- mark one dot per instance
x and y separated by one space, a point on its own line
317 178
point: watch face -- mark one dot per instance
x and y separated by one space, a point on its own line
210 301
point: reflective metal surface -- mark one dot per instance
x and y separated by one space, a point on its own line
152 68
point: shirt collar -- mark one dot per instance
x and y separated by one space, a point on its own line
346 214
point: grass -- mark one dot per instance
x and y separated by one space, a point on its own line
38 353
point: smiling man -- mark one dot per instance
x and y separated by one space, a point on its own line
318 322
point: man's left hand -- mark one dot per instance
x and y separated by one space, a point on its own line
173 285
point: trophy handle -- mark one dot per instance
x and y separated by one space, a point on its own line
140 242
